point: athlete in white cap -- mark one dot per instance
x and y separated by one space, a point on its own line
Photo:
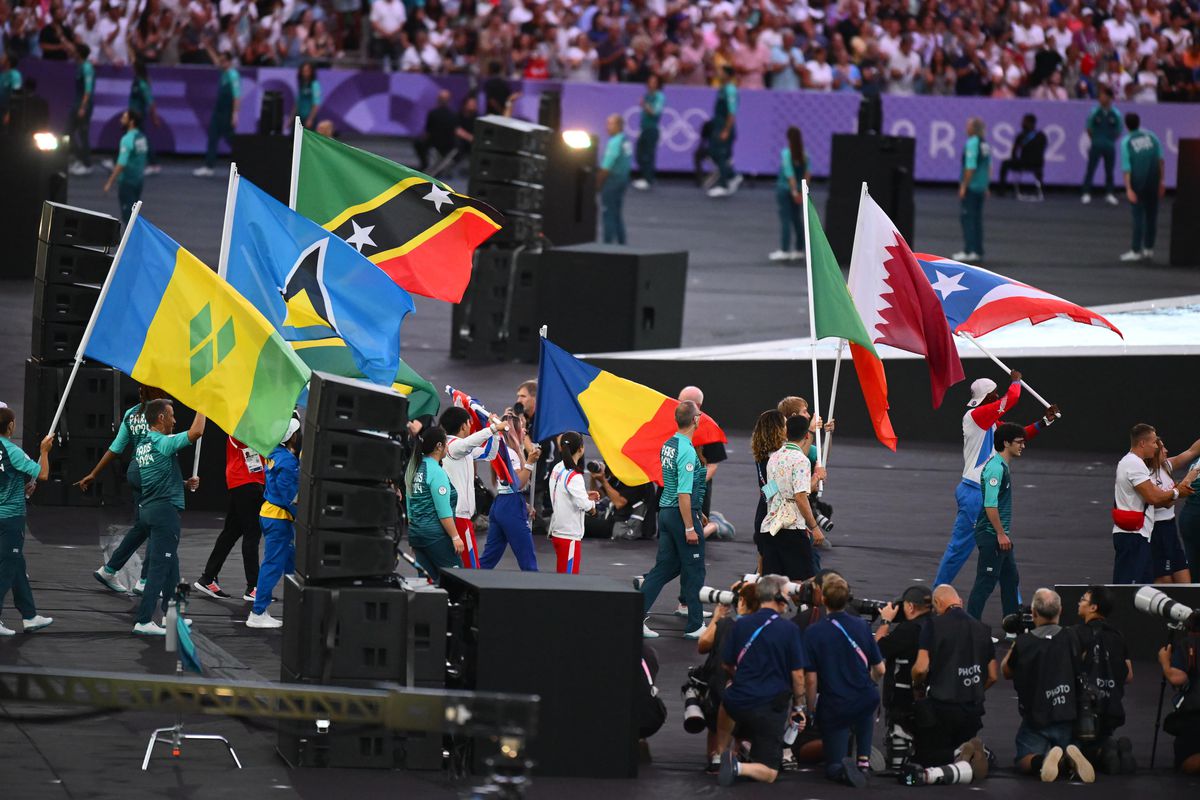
984 411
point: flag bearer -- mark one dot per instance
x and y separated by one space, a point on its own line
277 519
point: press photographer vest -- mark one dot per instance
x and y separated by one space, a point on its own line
897 679
1044 674
958 660
1104 667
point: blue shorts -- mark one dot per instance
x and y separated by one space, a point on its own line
1038 741
1166 550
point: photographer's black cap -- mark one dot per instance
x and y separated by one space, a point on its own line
917 595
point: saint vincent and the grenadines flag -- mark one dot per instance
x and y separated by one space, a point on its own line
629 422
311 285
835 315
415 228
169 321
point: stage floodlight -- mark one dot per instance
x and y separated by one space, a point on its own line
577 139
44 140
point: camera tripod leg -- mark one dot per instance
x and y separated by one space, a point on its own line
1162 690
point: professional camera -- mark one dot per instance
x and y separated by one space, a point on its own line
723 597
1087 721
865 607
1020 622
823 512
594 467
695 695
1152 601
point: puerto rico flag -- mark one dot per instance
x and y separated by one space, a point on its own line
977 301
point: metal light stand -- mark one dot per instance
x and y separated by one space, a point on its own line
174 736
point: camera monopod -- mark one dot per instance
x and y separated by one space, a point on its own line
1178 618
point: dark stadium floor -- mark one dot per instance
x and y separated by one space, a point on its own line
893 510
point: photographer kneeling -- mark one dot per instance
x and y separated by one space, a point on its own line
1106 669
1045 668
843 664
711 675
956 663
765 655
1181 668
899 643
625 513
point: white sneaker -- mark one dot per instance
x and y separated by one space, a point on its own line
718 191
140 587
36 623
735 183
961 255
796 255
80 170
150 628
153 169
694 634
681 611
263 620
1131 255
107 163
1147 254
109 579
203 172
970 258
1111 199
779 255
647 633
1087 198
7 631
641 185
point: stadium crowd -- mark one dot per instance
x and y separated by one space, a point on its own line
1145 50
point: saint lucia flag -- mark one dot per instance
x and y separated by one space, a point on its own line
312 285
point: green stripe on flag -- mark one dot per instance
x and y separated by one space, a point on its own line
333 356
279 377
833 306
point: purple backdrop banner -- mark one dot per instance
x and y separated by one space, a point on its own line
378 104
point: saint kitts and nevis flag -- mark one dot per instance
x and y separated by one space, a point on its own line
628 422
167 320
413 227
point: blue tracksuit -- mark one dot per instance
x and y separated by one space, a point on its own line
276 517
508 524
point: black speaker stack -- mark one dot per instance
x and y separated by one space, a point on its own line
501 626
348 618
74 253
29 177
885 163
494 321
1185 234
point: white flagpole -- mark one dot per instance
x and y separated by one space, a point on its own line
227 227
87 332
297 138
196 458
812 319
1004 367
837 370
533 467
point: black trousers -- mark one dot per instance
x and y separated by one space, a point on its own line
941 729
1020 164
241 522
789 553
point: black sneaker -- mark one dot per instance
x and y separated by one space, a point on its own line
1125 756
728 771
1110 759
852 775
213 590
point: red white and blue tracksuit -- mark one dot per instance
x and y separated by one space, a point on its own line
979 428
508 524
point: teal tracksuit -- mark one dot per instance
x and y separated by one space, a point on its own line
16 470
682 471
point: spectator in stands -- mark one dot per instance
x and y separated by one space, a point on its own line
56 40
421 56
1028 153
818 72
940 78
903 67
1052 89
787 63
750 59
387 37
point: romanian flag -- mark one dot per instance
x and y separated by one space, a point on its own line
333 356
836 316
167 320
417 229
629 422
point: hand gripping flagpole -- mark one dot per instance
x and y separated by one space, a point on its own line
1006 368
87 332
812 320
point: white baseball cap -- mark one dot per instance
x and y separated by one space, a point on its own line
293 426
980 390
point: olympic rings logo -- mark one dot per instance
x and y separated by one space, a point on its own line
678 130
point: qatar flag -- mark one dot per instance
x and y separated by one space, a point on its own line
896 302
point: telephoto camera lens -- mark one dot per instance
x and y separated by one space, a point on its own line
722 596
823 522
693 709
1018 623
1152 601
594 467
